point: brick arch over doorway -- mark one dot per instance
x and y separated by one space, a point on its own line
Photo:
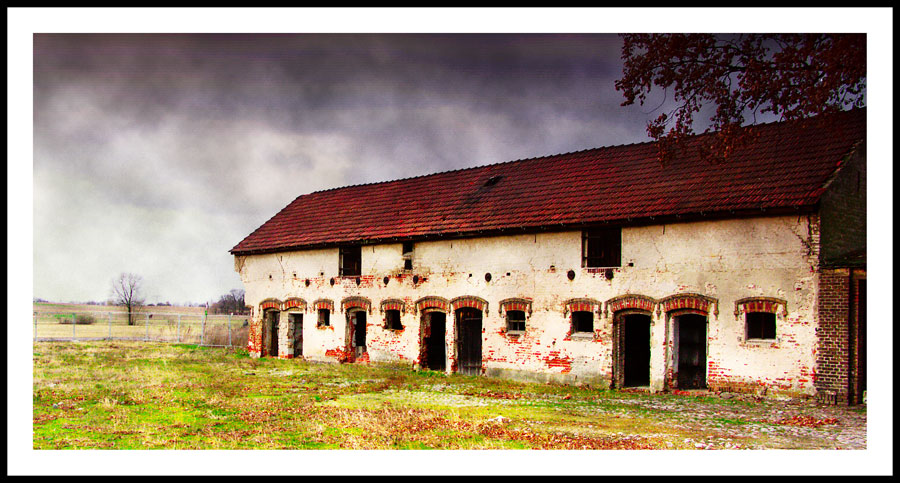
631 334
431 302
687 334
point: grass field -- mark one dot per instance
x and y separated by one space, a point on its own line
138 395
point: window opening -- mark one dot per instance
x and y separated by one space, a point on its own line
351 261
760 325
324 318
408 248
582 321
602 248
515 321
392 320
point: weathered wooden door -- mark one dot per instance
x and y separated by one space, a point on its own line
297 327
691 351
468 339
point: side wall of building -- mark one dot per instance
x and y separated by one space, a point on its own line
719 262
843 209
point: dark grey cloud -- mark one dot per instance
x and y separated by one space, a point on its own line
207 136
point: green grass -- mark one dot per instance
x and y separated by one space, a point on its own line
135 395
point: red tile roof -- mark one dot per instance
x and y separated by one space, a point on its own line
786 166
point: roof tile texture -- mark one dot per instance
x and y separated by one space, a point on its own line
787 164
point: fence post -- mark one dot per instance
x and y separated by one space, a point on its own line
109 323
147 323
74 337
202 327
229 329
178 330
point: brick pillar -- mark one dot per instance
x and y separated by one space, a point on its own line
833 351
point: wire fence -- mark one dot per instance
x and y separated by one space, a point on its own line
188 328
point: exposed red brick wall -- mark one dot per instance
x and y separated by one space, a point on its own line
832 354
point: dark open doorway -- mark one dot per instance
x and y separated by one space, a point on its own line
356 324
270 333
468 341
434 330
691 351
634 331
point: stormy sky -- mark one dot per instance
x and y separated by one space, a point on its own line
133 149
156 153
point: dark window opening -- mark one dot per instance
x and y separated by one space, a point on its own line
760 325
408 248
392 320
582 322
602 248
351 261
515 321
324 318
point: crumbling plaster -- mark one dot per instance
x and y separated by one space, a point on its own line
725 260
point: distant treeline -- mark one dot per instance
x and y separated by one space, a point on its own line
110 303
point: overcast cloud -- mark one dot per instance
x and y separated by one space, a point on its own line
157 153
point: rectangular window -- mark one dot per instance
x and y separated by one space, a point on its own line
408 248
392 320
351 261
602 248
582 322
324 317
515 321
760 325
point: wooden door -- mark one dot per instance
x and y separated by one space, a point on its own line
297 323
691 351
468 333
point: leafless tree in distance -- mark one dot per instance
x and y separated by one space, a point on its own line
126 291
230 303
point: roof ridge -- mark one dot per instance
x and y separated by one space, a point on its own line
567 153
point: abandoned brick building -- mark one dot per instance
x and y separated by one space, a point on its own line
600 266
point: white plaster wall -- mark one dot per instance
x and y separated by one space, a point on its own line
726 260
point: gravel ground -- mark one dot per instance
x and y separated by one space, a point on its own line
750 422
726 421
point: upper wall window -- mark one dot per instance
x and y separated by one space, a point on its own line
601 248
351 261
408 248
760 325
